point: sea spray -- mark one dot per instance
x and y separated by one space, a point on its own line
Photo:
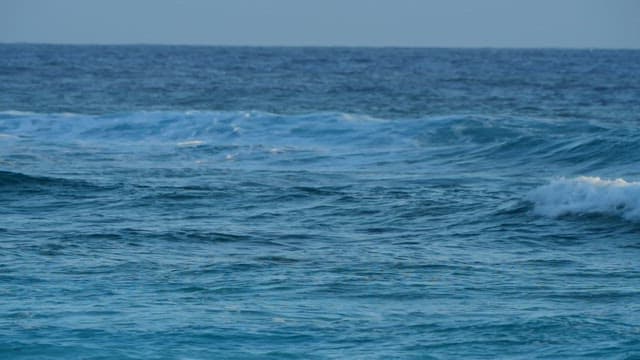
588 195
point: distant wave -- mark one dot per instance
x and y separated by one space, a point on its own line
503 141
588 195
189 126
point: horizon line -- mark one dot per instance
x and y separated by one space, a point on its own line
469 47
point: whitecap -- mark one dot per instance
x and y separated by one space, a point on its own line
190 143
16 113
588 195
276 150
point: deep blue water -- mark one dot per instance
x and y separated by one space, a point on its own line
165 202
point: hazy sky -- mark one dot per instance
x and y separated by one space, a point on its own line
495 23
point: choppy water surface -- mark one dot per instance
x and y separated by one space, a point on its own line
200 203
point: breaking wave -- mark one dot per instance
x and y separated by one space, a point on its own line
588 195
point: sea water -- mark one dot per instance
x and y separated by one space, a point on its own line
162 202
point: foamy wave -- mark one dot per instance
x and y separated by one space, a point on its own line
190 143
16 113
588 195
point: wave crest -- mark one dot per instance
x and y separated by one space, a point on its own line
588 195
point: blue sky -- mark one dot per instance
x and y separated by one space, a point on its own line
449 23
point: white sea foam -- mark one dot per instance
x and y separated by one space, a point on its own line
588 195
190 143
16 113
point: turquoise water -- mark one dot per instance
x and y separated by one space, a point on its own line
204 203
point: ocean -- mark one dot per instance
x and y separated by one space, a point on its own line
185 202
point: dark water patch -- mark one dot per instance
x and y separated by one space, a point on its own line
52 249
201 236
186 194
15 179
17 183
546 263
602 274
592 295
277 259
319 191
